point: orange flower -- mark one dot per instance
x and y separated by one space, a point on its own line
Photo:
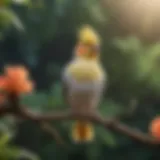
16 80
3 83
22 87
16 72
155 128
28 87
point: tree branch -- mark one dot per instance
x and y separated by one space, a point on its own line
111 124
114 125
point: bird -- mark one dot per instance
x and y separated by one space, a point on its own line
84 81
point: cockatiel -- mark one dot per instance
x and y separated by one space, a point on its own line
83 81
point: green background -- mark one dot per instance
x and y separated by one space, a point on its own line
41 35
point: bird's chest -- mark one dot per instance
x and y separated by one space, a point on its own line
83 71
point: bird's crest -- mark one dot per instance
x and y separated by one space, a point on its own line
88 35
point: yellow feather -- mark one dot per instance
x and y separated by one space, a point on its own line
85 70
88 35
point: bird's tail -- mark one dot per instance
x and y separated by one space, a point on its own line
82 131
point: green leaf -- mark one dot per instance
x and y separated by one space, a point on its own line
106 137
8 17
4 17
6 2
35 100
9 152
96 12
22 2
130 45
93 151
55 98
29 155
16 21
110 108
4 139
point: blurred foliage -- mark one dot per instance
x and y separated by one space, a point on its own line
7 16
8 150
44 42
145 61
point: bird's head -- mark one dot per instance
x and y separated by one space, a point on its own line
88 46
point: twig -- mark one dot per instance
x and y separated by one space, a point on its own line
53 132
17 110
46 127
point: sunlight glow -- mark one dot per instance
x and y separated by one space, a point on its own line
138 16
